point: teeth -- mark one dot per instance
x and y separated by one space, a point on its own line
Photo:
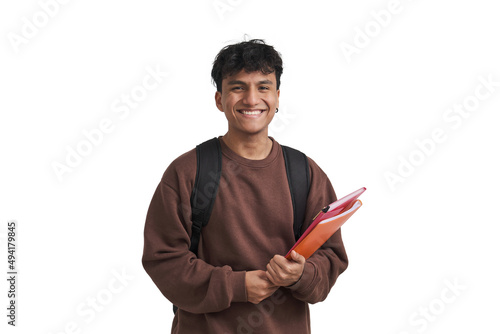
250 112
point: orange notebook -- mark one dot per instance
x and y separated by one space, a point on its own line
326 223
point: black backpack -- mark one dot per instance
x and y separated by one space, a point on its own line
206 185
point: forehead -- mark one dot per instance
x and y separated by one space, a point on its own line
250 77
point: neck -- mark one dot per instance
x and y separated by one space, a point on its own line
253 147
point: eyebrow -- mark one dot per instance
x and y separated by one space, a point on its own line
239 82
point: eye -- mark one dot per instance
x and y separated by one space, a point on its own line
264 88
237 88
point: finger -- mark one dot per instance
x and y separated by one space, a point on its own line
269 277
261 274
275 268
298 258
288 267
271 274
280 263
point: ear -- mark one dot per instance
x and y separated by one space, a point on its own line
278 100
218 100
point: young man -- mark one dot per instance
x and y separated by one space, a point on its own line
240 282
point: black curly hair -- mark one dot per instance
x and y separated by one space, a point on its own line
253 55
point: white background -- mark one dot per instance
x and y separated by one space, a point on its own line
356 115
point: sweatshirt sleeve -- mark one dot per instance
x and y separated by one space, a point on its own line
188 282
327 263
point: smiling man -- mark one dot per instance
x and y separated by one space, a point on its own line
249 101
238 281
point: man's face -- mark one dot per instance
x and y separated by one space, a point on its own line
249 101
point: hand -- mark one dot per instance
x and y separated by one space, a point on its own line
282 272
258 286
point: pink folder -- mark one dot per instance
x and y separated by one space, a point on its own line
330 218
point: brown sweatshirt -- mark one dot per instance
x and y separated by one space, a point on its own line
252 220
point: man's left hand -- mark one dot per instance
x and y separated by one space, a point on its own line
282 272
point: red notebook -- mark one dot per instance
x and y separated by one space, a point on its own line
326 223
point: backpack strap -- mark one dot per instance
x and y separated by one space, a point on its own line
297 172
206 185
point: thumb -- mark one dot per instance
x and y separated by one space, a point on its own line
297 257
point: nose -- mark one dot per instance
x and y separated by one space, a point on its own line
251 97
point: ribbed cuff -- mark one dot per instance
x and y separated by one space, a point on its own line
238 286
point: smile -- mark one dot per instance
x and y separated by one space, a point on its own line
250 112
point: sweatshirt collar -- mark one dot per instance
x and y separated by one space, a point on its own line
230 154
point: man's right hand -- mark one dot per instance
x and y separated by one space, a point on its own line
258 286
